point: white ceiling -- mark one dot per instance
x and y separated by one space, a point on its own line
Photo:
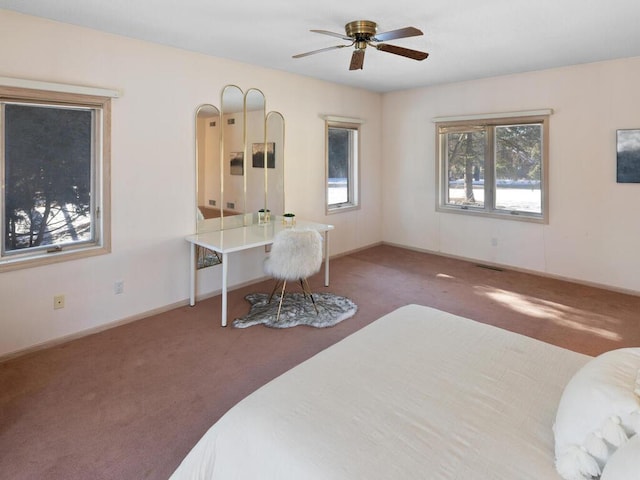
466 39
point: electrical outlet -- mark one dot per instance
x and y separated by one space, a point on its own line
118 287
212 203
58 302
231 205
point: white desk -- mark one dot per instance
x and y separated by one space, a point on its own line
244 238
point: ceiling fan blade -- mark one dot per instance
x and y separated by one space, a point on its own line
400 33
333 34
405 52
357 60
300 55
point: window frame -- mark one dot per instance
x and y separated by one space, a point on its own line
489 122
353 182
60 95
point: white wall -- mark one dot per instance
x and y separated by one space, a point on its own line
153 178
593 234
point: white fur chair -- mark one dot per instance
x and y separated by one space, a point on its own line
295 255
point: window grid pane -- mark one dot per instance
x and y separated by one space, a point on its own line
518 168
341 165
494 168
49 153
465 162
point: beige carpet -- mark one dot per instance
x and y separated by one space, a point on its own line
130 402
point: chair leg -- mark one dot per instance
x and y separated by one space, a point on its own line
306 282
284 286
275 287
304 290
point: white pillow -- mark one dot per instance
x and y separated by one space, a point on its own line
598 411
624 464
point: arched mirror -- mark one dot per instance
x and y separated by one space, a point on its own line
257 161
239 160
232 157
208 187
208 168
274 186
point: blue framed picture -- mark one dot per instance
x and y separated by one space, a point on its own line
628 156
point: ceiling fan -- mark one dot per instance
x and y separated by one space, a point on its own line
363 33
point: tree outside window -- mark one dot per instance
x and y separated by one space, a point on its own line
54 204
342 166
48 176
494 168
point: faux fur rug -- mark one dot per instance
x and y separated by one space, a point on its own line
296 310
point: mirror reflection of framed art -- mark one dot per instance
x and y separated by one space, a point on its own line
236 163
258 155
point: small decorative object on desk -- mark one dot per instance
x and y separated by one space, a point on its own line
289 219
264 216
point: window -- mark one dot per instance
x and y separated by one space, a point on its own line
342 145
494 167
54 168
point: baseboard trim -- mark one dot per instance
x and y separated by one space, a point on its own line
359 249
116 323
518 269
90 331
237 286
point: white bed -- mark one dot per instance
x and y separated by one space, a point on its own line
418 394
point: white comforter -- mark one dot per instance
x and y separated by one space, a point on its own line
418 394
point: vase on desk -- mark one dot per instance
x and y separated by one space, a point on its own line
264 216
288 219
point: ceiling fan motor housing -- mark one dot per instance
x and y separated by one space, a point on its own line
361 30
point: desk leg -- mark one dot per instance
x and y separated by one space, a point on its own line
326 258
225 271
192 275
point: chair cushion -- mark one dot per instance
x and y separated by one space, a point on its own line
295 254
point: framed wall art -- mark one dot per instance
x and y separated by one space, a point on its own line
628 156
